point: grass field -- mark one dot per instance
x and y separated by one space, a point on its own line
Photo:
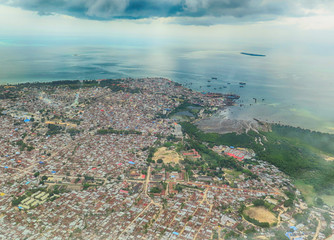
261 214
328 199
307 191
232 173
309 194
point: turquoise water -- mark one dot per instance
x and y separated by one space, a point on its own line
297 89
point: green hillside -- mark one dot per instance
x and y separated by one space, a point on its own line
295 151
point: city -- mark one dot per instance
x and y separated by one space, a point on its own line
111 159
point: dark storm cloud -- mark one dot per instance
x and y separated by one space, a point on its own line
135 9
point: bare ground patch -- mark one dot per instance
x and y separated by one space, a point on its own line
168 156
261 214
328 158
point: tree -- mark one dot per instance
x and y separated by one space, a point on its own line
36 174
258 202
17 201
159 161
319 202
30 148
288 203
240 227
280 235
155 190
327 217
327 231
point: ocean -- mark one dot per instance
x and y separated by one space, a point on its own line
290 88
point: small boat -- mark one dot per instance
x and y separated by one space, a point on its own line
232 96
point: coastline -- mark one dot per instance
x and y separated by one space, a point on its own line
232 115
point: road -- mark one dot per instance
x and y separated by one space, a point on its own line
318 229
147 179
203 201
210 186
237 189
148 205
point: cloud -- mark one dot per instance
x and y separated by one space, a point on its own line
257 10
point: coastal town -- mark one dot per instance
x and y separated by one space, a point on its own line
111 159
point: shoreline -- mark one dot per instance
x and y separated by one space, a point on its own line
225 112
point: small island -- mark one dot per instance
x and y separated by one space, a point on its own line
253 54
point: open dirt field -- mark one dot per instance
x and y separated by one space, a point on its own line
328 158
261 214
168 156
61 123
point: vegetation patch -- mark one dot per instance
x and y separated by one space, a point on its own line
24 146
295 151
307 191
328 199
54 129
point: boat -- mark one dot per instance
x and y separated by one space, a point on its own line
214 95
242 83
214 78
231 96
208 85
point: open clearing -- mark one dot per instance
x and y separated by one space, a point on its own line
307 191
309 194
261 214
168 156
233 173
61 123
328 158
328 199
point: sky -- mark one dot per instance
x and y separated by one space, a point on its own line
208 22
